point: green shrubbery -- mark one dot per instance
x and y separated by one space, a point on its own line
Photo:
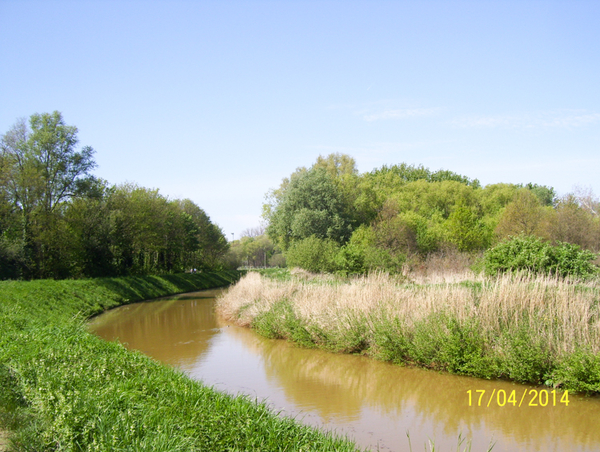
406 212
313 254
326 256
529 253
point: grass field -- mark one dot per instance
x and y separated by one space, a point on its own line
64 389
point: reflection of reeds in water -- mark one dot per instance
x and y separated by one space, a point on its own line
521 327
353 382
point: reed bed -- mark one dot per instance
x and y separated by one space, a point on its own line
532 329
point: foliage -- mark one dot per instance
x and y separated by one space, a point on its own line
310 205
41 169
466 230
58 221
313 254
412 212
531 253
403 173
580 371
524 215
337 165
350 259
546 195
44 168
573 223
253 251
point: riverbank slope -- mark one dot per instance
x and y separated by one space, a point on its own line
537 330
62 388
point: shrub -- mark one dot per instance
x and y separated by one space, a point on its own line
531 253
351 259
313 254
579 371
382 260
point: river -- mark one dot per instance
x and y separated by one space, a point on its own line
372 402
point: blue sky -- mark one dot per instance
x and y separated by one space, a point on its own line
217 101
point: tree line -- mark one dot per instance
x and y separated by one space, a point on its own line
57 220
331 218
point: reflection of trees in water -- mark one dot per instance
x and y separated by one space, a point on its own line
350 383
179 330
174 330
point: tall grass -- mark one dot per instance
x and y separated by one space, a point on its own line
520 327
64 389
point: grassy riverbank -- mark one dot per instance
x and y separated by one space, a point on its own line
523 328
62 388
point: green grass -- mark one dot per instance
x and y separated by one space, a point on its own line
64 389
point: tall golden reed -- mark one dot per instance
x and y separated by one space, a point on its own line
560 313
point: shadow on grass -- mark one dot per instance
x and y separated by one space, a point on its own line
137 288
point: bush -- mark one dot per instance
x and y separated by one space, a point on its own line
351 259
531 253
313 254
378 259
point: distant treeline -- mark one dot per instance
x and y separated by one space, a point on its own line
59 221
331 218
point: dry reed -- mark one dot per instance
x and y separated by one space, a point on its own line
563 315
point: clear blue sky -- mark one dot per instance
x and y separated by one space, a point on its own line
217 101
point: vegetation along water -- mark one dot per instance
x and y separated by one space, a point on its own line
401 263
63 388
526 328
373 402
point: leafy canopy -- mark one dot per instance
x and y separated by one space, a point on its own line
310 205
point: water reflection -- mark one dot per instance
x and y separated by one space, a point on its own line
175 330
373 402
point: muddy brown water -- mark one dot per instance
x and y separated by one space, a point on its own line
372 402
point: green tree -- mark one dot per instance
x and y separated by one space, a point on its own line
89 222
523 216
546 195
43 169
313 254
337 165
466 230
575 224
310 205
151 234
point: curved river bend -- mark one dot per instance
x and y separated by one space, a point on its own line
374 403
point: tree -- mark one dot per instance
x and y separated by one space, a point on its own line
572 222
309 205
45 167
523 216
42 169
466 230
89 221
313 254
337 164
546 195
